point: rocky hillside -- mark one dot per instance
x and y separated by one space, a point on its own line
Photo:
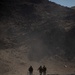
73 7
41 25
35 31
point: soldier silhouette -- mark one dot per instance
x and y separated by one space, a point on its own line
40 70
44 70
30 70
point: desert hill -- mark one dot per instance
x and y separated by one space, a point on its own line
73 7
33 32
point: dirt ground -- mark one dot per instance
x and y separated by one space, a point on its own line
13 62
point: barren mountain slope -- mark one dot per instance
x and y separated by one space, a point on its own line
36 33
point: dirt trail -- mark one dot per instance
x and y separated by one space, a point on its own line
13 62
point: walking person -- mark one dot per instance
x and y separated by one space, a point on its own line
44 70
40 70
30 70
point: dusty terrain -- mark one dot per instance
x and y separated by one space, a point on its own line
15 62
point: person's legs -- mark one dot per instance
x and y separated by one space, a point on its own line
40 73
31 73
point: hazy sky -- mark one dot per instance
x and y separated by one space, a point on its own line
67 3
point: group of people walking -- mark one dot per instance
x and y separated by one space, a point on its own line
42 70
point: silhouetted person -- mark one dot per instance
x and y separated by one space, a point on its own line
44 70
30 70
40 70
